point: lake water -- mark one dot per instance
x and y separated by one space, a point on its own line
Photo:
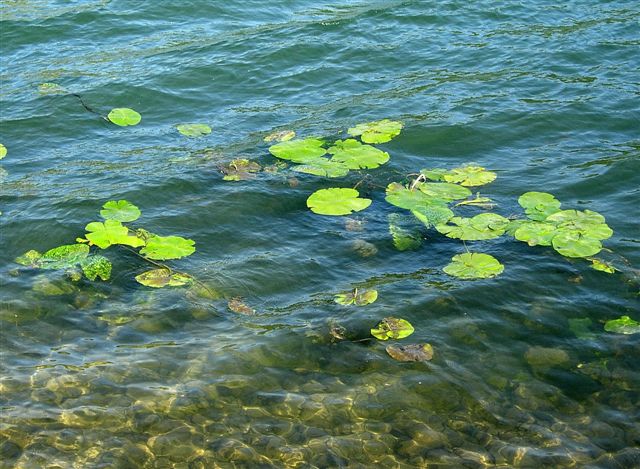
118 375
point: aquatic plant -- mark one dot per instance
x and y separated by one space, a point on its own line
357 297
280 136
240 169
392 328
622 325
124 116
410 352
473 265
299 151
464 175
3 151
337 201
377 131
194 130
355 155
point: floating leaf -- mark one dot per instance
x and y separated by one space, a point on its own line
436 174
580 327
124 116
392 328
536 233
473 265
29 258
403 239
410 353
120 210
483 226
111 232
432 215
444 191
96 266
587 223
574 244
470 176
623 325
158 278
280 136
323 167
3 151
357 297
51 88
63 257
377 131
403 197
237 305
336 201
298 151
240 170
484 202
168 247
602 266
539 205
513 226
194 130
355 155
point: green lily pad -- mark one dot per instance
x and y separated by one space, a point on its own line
445 191
536 233
587 223
111 232
539 205
581 328
357 297
336 201
51 88
124 116
240 170
574 244
120 210
63 257
470 176
168 247
473 265
513 226
622 325
323 167
483 226
355 155
436 174
280 136
298 151
96 266
433 215
403 197
3 151
403 239
194 130
484 202
377 131
158 278
602 266
410 353
29 258
392 328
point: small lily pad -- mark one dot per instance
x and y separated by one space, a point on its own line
124 116
323 167
159 278
240 169
194 130
483 226
357 297
574 244
237 305
473 265
539 205
63 257
299 151
111 232
168 247
377 131
622 325
96 266
445 191
337 201
51 88
602 266
392 328
355 155
410 353
3 151
29 258
280 136
120 210
536 233
470 176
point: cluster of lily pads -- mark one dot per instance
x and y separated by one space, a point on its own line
80 258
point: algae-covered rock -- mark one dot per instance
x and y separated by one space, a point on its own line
545 357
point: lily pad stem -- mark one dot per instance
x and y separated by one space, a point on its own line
84 105
417 181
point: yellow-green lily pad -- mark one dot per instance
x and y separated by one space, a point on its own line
168 247
355 155
337 201
473 265
194 130
377 131
124 116
357 297
392 328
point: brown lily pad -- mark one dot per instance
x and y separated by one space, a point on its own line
237 305
411 352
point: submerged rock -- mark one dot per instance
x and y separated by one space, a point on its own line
545 357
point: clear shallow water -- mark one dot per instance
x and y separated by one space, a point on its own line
117 375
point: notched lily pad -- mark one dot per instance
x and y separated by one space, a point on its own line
357 297
539 205
96 266
392 328
124 116
194 130
587 223
574 244
121 210
470 176
323 167
473 265
280 136
111 232
299 151
159 278
410 353
622 325
240 170
355 155
377 131
483 226
337 201
168 247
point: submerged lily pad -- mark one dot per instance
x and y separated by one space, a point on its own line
403 239
392 328
51 88
96 266
120 210
124 116
574 244
63 257
539 205
357 297
323 167
581 328
483 226
194 130
29 258
473 265
410 353
377 131
3 151
536 233
445 191
299 151
111 232
622 325
168 247
433 215
602 266
237 305
158 278
280 136
336 201
355 155
240 169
